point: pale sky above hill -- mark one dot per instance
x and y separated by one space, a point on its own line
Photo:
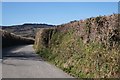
53 12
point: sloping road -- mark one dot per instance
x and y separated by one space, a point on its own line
22 62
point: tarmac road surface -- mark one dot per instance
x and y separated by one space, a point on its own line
22 62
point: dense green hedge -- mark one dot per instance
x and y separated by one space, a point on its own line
10 39
70 51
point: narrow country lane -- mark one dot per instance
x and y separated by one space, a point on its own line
22 62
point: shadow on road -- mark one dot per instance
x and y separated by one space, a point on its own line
21 53
23 62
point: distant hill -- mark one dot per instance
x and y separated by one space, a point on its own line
25 30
